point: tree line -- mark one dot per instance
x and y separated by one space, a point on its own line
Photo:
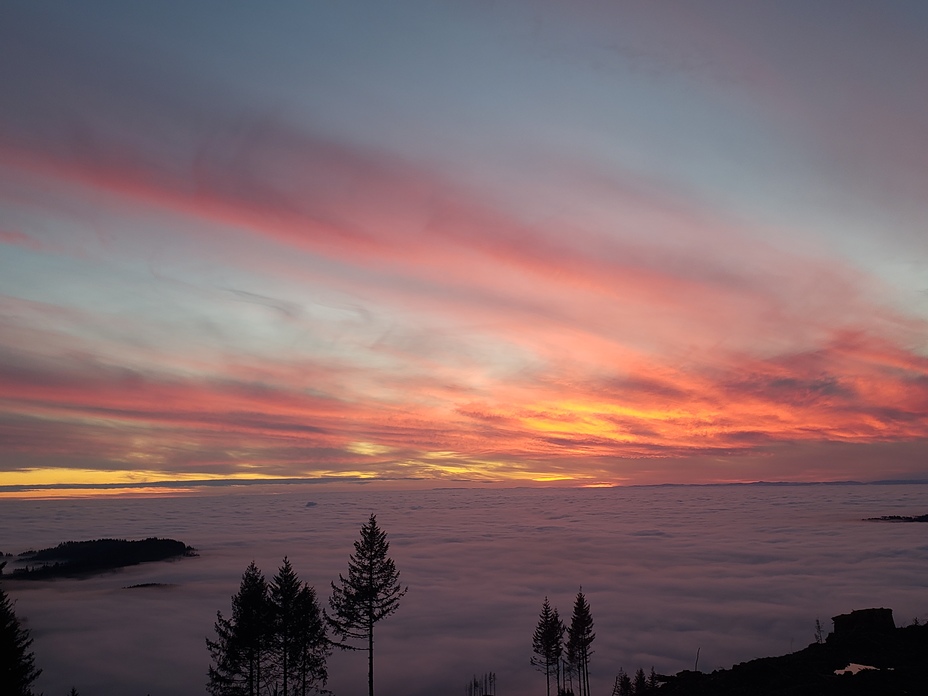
274 641
561 661
640 685
277 638
564 661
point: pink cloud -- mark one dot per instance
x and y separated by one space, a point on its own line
556 345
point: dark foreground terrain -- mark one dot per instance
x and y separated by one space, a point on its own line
865 637
81 558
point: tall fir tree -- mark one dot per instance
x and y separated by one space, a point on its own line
558 629
240 650
274 642
548 645
17 662
298 643
312 648
371 592
640 684
283 642
580 638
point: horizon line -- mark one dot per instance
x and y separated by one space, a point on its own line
233 482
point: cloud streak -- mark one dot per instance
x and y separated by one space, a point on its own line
199 279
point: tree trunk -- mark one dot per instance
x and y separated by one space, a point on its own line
370 658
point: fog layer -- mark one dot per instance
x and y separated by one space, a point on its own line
736 572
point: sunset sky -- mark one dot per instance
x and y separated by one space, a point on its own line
520 242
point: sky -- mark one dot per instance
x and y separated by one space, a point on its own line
587 243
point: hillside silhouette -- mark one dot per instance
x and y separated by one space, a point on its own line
80 558
895 658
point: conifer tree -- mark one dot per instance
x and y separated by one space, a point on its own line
819 632
283 641
640 685
580 638
17 662
548 645
617 686
568 670
623 684
371 592
312 646
274 642
240 651
558 629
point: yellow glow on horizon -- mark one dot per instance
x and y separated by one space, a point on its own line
59 476
343 474
433 465
128 492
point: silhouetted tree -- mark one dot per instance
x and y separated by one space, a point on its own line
548 645
275 641
819 632
371 592
558 628
568 670
580 638
284 592
240 651
652 680
640 685
312 647
17 662
623 684
485 686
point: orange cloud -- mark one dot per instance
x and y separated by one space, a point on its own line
525 351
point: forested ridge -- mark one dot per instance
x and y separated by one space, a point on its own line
75 558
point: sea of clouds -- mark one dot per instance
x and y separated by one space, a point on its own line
735 572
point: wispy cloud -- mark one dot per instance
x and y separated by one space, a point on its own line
204 279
